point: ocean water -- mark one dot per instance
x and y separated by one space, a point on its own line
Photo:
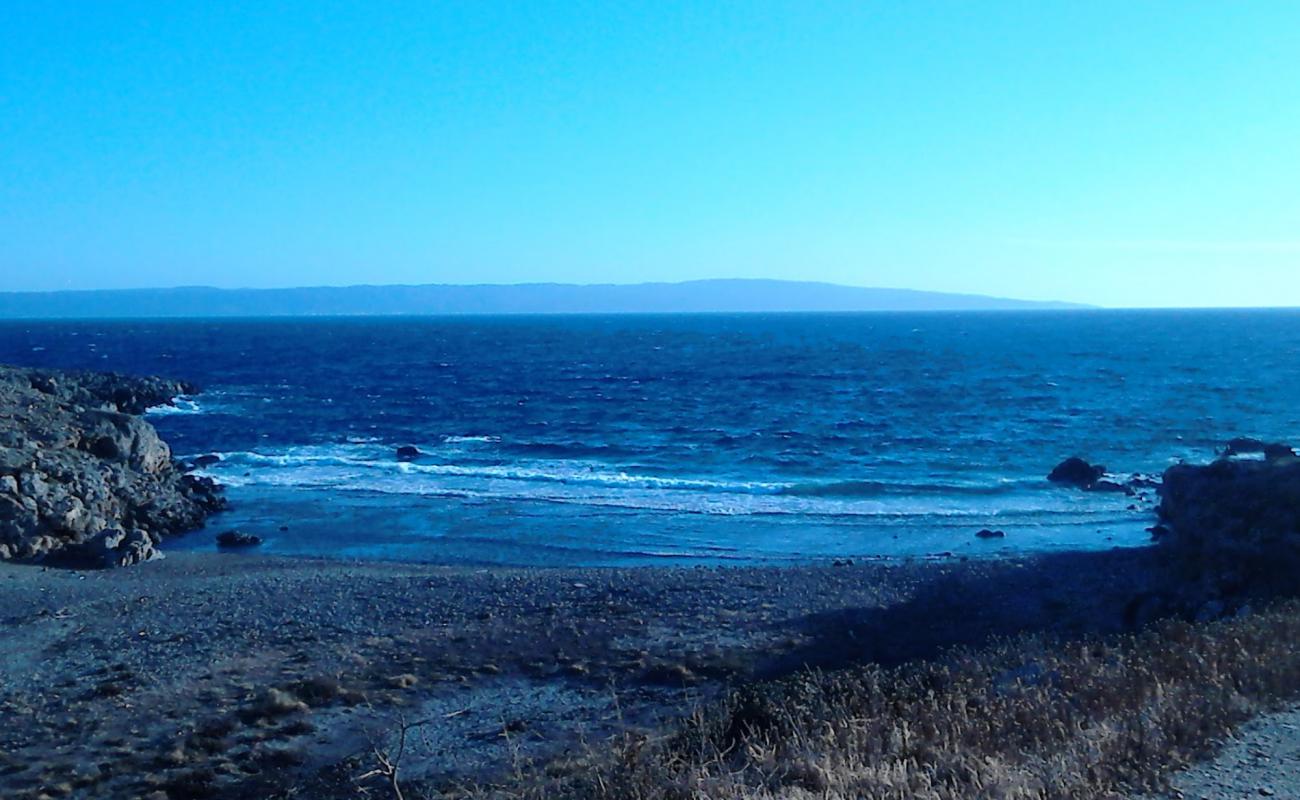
695 438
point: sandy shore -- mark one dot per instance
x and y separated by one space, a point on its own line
208 675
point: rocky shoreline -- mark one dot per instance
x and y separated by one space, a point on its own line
84 479
214 675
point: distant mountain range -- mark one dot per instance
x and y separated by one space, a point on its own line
528 298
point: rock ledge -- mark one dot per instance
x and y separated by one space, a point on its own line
83 478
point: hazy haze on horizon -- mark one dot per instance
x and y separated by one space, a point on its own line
1111 153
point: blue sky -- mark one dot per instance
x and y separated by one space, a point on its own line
1118 153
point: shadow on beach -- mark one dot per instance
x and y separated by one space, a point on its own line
1060 594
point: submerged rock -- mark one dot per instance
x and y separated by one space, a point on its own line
1111 486
85 479
408 453
1140 481
991 534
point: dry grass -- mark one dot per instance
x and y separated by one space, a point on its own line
1027 718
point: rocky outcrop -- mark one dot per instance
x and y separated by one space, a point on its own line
82 476
1077 472
1236 521
1080 474
1245 446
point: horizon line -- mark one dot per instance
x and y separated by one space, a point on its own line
1031 305
543 283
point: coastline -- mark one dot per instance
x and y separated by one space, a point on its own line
231 676
215 675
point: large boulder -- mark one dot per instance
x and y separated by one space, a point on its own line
82 476
1236 522
1075 471
113 548
114 436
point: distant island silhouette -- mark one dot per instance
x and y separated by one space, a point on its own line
700 296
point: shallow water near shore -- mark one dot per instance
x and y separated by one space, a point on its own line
693 439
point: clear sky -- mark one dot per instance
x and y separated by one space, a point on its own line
1125 152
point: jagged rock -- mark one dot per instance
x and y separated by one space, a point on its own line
1077 472
120 437
114 548
82 476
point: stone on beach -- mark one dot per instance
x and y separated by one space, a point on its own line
238 539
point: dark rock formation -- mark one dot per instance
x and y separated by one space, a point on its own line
206 461
990 534
1090 477
1077 472
1236 522
85 479
1275 452
408 453
238 539
1246 446
115 548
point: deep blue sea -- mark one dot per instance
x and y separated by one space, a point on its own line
694 438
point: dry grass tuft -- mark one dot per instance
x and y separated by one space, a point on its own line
1027 718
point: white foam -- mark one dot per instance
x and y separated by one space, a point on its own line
372 468
562 472
181 405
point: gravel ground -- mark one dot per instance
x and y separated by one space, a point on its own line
214 676
1261 760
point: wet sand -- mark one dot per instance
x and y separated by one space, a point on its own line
224 675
